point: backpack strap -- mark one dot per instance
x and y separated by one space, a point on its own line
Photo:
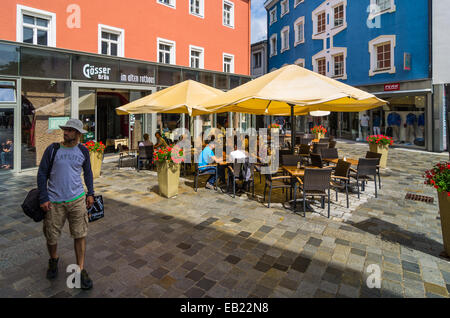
56 146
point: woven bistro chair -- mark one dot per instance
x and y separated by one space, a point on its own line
306 140
317 147
324 140
235 173
376 155
316 160
304 151
329 153
332 144
316 182
199 173
366 169
277 182
340 178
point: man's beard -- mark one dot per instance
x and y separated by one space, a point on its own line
69 140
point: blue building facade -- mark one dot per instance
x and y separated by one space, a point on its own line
381 46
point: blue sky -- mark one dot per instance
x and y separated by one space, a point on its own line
259 21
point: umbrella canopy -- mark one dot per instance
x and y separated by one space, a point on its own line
276 92
182 98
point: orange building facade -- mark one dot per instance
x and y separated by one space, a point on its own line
217 28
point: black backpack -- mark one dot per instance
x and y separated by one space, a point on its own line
30 205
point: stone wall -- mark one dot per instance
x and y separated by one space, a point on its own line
44 137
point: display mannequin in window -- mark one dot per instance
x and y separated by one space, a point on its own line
376 125
410 134
364 121
394 120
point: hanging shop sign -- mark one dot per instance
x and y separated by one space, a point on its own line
55 122
392 87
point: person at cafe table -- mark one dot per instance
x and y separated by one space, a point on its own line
207 157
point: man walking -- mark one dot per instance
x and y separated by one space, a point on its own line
62 196
364 126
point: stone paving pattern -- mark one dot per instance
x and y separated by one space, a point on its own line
207 244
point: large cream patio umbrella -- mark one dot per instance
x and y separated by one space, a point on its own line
293 90
182 98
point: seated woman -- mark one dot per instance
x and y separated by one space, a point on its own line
146 142
160 141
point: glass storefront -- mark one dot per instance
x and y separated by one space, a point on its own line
43 102
6 139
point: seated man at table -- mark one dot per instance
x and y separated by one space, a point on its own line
207 157
237 153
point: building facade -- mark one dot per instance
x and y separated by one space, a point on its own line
59 60
380 46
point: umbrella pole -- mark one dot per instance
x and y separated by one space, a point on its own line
293 132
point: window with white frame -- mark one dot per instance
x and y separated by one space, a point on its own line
273 45
228 63
273 15
284 7
170 3
228 13
321 22
381 6
382 55
111 40
36 26
197 7
297 2
299 29
338 13
338 63
196 56
285 39
166 51
322 66
257 60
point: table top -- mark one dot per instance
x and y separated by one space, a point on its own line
293 171
354 162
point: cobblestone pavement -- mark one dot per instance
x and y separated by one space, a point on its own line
207 244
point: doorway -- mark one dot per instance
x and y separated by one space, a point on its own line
8 105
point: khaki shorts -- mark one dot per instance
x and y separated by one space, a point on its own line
55 219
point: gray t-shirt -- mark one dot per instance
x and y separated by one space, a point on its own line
65 179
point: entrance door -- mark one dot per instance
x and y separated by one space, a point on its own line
8 99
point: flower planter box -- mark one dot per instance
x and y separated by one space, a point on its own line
96 163
168 178
319 136
444 211
384 153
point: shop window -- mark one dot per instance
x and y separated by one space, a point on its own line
378 7
228 13
234 82
9 59
190 75
111 41
197 7
7 142
197 56
36 26
221 81
206 78
228 63
43 63
168 76
166 51
41 100
7 92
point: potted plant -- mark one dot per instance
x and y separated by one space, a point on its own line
319 131
275 128
439 178
96 151
168 161
380 144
